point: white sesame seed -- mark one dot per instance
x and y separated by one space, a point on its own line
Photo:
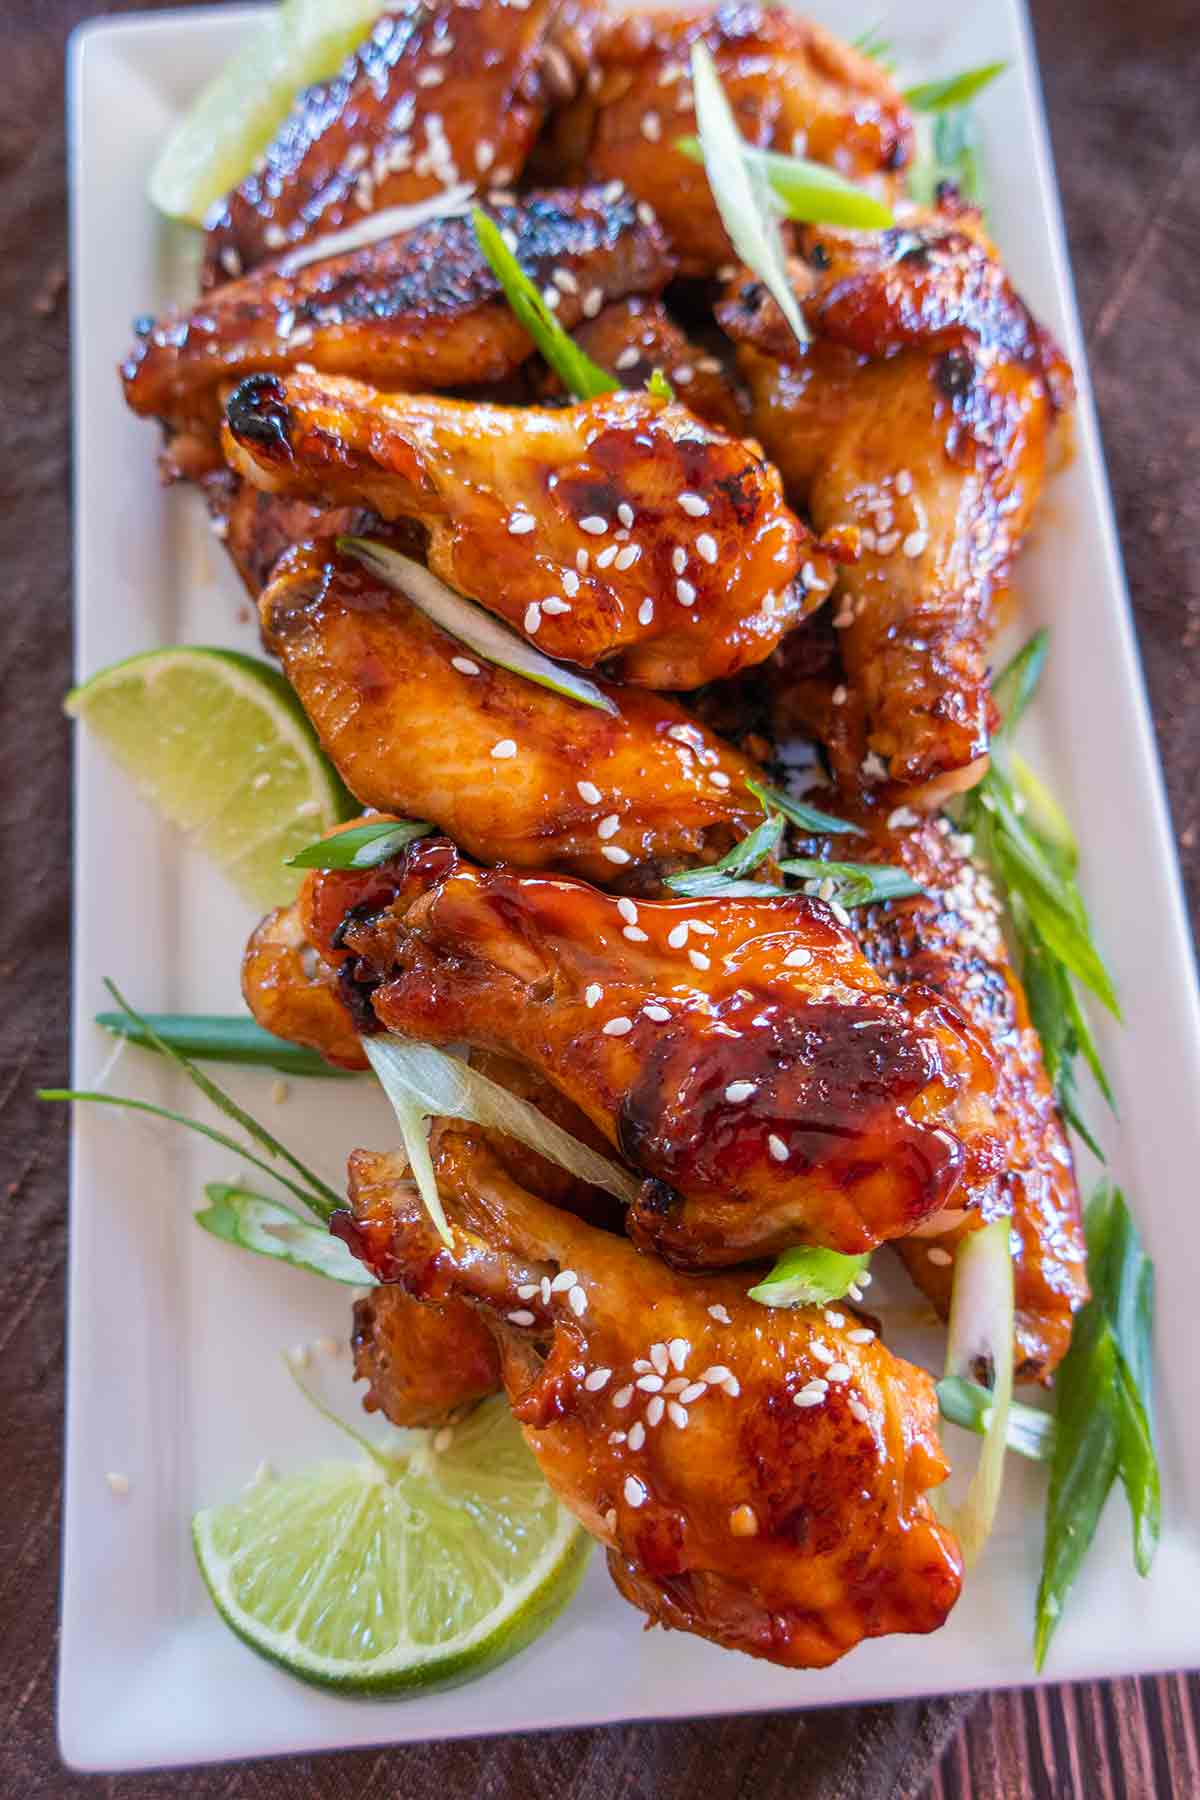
544 1290
485 154
694 505
777 1148
706 547
677 936
521 522
807 1397
676 1384
649 1384
577 1300
836 1319
864 1336
563 278
588 791
646 212
592 994
622 1397
510 238
427 78
651 127
732 1386
821 1351
635 1493
615 854
659 1014
612 192
839 1371
527 1290
619 1027
679 559
464 665
642 1365
645 612
635 934
698 959
915 543
720 1314
593 300
554 606
660 1360
886 544
655 1409
596 1379
839 694
533 617
628 910
628 556
695 1390
858 1410
738 1091
678 1349
521 1317
504 749
685 593
637 1435
551 297
594 525
570 582
564 1281
716 1375
940 1258
625 513
677 1414
854 1291
275 237
719 778
683 374
900 817
702 928
609 825
616 1437
119 1484
231 262
606 556
839 912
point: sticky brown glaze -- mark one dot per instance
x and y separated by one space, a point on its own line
424 1363
634 338
420 310
621 531
791 1532
413 724
293 992
792 87
920 416
256 528
950 939
436 95
740 1052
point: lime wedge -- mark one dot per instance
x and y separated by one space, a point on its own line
234 118
379 1576
220 744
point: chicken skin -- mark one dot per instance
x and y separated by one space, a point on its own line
622 531
424 1362
740 1053
436 95
421 310
921 415
791 85
757 1476
513 772
633 338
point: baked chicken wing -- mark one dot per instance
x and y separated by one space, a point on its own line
424 1361
791 85
621 531
921 415
740 1053
513 772
633 338
757 1476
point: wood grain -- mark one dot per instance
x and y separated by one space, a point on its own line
1121 81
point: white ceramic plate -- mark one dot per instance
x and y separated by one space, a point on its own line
175 1375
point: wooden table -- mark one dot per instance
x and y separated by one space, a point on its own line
1122 78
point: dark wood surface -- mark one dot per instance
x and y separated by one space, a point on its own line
1122 79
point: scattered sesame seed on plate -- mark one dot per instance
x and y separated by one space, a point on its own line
118 1483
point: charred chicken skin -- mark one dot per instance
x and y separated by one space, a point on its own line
513 772
920 414
621 531
757 1477
791 85
741 1053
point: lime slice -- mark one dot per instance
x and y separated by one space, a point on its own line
235 117
219 743
375 1577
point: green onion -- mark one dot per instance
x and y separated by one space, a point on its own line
949 151
1104 1429
809 1276
487 636
805 816
870 43
745 857
215 1037
270 1229
1031 1433
854 884
809 192
956 90
980 1338
659 386
362 847
741 190
577 372
1016 684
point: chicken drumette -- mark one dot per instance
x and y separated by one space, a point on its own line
424 1361
758 1477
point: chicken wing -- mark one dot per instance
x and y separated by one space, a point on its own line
757 1476
740 1052
418 310
621 531
293 992
633 338
513 772
921 415
436 95
424 1362
791 85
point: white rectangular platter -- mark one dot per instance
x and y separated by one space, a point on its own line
175 1376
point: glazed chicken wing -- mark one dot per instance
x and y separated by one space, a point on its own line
621 531
758 1477
792 87
450 92
418 310
741 1053
633 338
921 415
514 772
424 1361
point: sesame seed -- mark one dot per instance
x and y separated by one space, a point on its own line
864 1336
659 1014
839 912
563 278
592 994
615 854
854 1291
732 1386
886 544
582 561
570 582
577 1300
655 1409
551 297
504 749
777 1148
839 695
635 934
622 1397
464 665
609 826
533 617
628 358
738 1091
677 1414
563 1281
628 556
698 959
679 559
716 1375
593 300
660 1360
616 1437
612 191
275 237
119 1484
940 1258
915 543
649 1384
796 959
619 1027
858 1410
694 505
646 212
527 1290
807 1397
521 1317
642 1365
678 1349
677 1384
720 1314
719 778
637 1435
683 374
521 522
900 817
628 910
695 1390
651 127
231 262
677 936
685 593
429 78
606 556
544 1290
594 525
839 1371
706 547
588 791
596 1379
635 1493
836 1319
645 612
821 1351
625 513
